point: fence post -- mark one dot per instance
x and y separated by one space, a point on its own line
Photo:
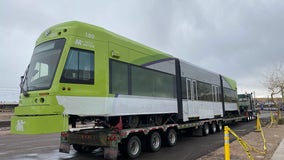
257 123
272 120
226 143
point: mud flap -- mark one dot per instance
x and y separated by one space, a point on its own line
110 152
64 148
64 145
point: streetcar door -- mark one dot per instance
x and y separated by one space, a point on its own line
194 90
188 89
187 98
215 93
191 88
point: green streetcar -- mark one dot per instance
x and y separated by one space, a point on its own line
81 72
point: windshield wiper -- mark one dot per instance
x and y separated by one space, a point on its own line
24 79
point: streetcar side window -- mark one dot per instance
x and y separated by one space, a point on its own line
204 91
79 67
148 82
118 77
130 79
230 95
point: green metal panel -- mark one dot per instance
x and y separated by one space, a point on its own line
39 124
231 82
47 116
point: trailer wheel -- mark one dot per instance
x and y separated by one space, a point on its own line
132 147
154 142
158 120
171 137
84 149
213 127
133 121
219 126
205 129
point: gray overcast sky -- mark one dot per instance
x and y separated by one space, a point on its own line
239 39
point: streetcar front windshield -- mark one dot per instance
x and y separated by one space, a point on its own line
43 65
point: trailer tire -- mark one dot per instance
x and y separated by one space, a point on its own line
171 137
205 129
131 147
133 121
158 120
154 142
84 149
213 127
219 126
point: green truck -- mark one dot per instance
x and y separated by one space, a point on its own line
247 105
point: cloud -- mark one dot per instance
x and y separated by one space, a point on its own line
235 38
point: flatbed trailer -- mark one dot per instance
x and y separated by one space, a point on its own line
236 119
130 142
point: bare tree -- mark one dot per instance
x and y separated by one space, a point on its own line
275 84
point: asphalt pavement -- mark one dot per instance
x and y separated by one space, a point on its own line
30 147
